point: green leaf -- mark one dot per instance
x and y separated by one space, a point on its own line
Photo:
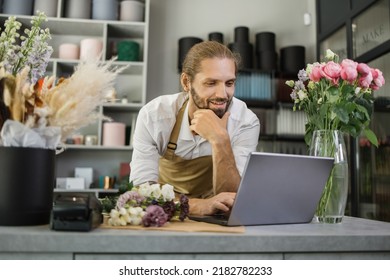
346 89
125 186
349 106
308 133
333 95
341 113
353 130
367 105
363 110
371 136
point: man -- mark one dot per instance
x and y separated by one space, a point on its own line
197 140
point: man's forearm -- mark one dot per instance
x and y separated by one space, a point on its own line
226 177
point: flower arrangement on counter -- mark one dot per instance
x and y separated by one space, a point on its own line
149 205
37 111
337 96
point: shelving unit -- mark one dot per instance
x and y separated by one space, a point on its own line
130 85
282 129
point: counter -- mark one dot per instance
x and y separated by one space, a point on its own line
354 238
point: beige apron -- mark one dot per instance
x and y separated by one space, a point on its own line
192 177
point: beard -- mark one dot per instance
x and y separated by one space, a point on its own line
205 104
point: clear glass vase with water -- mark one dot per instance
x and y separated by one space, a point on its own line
330 143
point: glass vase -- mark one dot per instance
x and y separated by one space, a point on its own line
330 143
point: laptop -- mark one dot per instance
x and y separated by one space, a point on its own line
276 189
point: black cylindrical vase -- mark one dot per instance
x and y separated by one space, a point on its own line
241 34
266 60
246 53
292 59
216 36
26 185
265 41
185 44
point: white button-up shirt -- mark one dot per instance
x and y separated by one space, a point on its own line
155 122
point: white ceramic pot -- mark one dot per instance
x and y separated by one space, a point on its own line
114 134
69 51
90 48
131 10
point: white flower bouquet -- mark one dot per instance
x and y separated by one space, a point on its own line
147 205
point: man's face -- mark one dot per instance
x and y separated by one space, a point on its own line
213 86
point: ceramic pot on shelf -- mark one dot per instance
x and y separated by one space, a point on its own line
18 7
78 9
49 7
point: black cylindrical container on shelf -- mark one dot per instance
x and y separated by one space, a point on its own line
266 60
265 41
185 44
26 185
241 34
246 53
242 46
216 36
292 59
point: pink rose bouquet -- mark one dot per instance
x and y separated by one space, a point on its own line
337 96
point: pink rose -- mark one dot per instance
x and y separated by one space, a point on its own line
378 79
348 70
349 63
349 74
365 80
331 71
363 69
316 74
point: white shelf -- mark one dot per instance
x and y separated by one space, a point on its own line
96 147
94 191
87 190
130 84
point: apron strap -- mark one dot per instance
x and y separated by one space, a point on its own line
172 144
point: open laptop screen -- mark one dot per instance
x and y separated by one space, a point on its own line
278 189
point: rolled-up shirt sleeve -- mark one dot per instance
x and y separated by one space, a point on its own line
244 139
144 163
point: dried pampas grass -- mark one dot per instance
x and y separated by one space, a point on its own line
73 102
16 90
70 104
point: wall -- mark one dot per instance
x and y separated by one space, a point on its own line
172 19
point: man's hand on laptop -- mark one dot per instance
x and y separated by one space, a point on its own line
221 202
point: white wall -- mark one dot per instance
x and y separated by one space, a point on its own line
171 20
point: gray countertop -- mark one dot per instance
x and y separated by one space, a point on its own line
352 236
